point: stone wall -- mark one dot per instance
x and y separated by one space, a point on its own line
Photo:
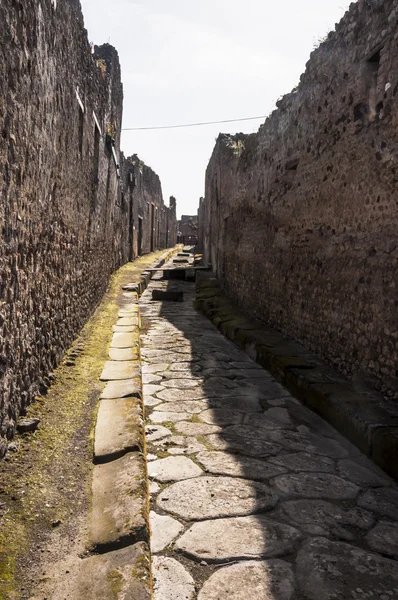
300 219
153 225
63 213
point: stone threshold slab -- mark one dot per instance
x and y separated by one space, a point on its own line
361 415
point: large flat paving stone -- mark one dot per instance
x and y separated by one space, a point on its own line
179 445
304 461
182 384
240 445
382 501
119 428
119 501
236 403
171 580
187 428
319 517
222 463
164 417
384 539
120 369
362 476
151 389
182 395
156 432
122 389
173 468
338 571
125 340
190 406
255 580
291 440
273 418
222 417
115 575
216 497
151 378
239 538
316 485
164 530
124 353
158 368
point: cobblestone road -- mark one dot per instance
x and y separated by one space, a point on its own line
253 495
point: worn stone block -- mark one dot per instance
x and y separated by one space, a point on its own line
116 575
119 428
115 370
119 513
122 389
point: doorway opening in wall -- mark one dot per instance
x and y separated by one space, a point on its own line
139 236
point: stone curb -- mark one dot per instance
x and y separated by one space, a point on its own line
119 518
362 415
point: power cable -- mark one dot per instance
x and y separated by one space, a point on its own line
193 124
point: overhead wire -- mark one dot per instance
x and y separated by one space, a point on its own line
193 124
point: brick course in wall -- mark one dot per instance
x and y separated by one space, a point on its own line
65 223
300 219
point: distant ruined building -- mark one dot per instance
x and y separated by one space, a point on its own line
188 229
300 220
73 208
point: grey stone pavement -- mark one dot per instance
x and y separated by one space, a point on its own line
253 496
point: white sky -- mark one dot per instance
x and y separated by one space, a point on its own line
185 61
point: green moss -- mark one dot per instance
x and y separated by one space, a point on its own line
115 579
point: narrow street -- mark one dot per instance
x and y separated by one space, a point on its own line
253 496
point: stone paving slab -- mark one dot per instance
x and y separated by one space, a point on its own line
256 580
119 511
319 517
124 340
116 575
124 354
116 370
127 322
164 530
122 389
315 485
239 538
222 463
119 428
384 539
216 497
173 468
335 570
171 580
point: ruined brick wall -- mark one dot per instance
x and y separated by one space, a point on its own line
152 223
300 219
63 231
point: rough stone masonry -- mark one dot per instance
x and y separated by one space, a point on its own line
70 209
300 219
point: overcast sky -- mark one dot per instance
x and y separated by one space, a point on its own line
185 61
